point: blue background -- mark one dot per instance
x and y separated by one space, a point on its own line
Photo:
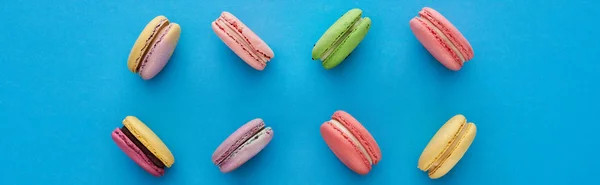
532 89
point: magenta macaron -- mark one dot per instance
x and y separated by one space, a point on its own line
242 145
441 39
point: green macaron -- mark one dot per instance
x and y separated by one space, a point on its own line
341 38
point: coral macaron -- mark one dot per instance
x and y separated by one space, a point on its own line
143 146
242 41
154 47
441 39
242 145
351 142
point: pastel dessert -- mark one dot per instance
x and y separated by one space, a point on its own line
447 146
441 39
242 145
154 47
341 38
242 41
143 146
351 142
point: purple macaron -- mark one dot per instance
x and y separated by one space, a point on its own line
242 145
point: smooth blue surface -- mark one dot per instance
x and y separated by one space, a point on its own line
532 89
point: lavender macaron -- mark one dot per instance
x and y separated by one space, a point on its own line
242 145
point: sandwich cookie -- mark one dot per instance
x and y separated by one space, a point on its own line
341 38
351 142
242 145
143 146
447 146
441 39
242 41
154 47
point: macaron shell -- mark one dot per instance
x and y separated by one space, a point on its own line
149 139
361 133
135 153
248 150
344 149
237 48
254 39
347 46
143 41
239 134
454 32
160 54
335 31
457 154
434 44
440 141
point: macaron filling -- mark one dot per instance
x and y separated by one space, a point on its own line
444 38
355 141
232 30
145 150
149 42
263 131
340 39
457 139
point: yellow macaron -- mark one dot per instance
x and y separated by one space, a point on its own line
447 146
150 140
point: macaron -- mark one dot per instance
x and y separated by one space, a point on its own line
242 145
351 142
447 146
341 38
143 146
441 39
242 41
154 47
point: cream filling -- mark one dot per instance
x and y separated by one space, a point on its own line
448 42
231 31
450 149
339 41
354 140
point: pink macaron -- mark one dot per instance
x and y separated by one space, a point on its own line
242 145
351 142
242 41
441 39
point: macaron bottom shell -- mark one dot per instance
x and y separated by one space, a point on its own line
347 46
135 153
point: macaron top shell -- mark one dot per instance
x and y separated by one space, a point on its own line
449 30
364 137
236 139
160 52
149 139
144 41
335 32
